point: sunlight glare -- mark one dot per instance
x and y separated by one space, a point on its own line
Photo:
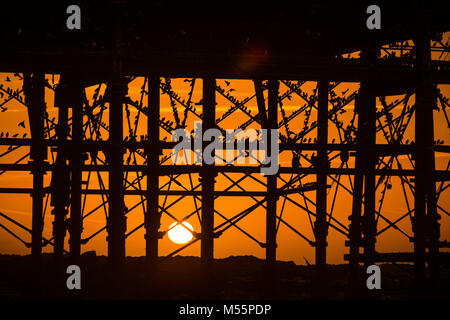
179 234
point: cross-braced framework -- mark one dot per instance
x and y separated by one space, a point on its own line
102 148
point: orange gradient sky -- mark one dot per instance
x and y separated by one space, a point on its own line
232 242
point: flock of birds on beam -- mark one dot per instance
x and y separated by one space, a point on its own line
294 88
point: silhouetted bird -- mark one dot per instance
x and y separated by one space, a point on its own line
7 79
22 124
15 136
227 83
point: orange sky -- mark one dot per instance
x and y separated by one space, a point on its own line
232 242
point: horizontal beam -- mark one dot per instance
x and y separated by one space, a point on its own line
440 175
398 257
171 192
199 65
87 146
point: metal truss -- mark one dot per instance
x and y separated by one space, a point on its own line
111 142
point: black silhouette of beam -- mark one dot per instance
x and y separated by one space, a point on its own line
60 184
297 68
153 216
321 226
35 98
355 218
425 223
116 219
271 210
440 175
75 100
208 175
380 149
262 113
367 127
117 89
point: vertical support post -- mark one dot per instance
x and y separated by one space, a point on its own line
425 223
420 178
355 218
262 114
153 216
432 215
321 226
367 122
35 95
367 128
271 210
60 191
117 88
365 163
207 176
76 162
61 175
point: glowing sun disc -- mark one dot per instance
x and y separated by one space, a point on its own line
179 234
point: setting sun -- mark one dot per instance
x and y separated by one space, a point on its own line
180 234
